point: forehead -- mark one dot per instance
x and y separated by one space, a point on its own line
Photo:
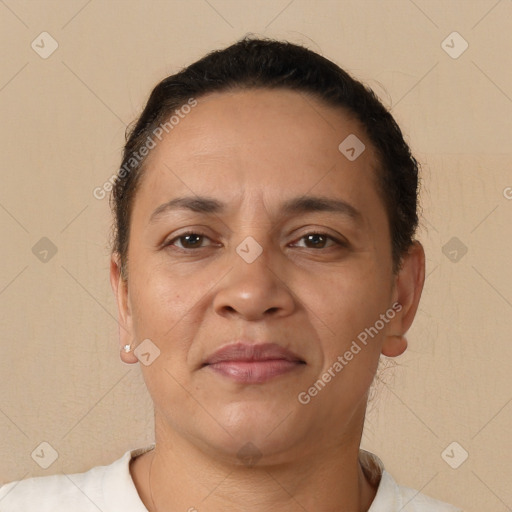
268 144
284 123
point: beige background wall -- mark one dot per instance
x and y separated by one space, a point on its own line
62 129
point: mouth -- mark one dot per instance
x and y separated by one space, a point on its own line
248 363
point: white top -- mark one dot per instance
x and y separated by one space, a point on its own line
111 489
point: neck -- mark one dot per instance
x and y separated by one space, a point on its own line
178 476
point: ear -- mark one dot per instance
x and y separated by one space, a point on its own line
125 322
407 292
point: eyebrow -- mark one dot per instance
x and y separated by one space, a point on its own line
294 206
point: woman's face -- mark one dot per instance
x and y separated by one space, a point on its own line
250 272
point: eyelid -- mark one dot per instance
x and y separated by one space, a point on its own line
170 241
338 240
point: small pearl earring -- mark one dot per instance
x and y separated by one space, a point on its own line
127 348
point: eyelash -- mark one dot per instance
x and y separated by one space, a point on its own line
338 242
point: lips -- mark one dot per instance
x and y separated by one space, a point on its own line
250 363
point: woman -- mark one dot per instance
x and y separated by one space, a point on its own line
263 260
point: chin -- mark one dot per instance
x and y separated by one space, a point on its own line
260 432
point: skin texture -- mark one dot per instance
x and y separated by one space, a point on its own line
253 150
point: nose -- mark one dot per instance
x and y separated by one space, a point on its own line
255 290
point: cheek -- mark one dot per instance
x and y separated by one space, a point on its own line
158 304
161 287
352 303
351 350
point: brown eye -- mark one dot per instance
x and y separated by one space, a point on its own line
190 240
319 241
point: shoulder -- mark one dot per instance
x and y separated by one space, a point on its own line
411 500
391 497
82 491
90 491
